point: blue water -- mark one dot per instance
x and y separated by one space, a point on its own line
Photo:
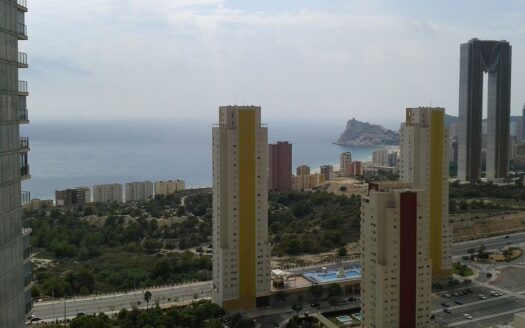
331 275
69 154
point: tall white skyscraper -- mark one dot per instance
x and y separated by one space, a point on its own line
241 252
424 163
396 276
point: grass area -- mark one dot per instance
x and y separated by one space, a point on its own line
462 269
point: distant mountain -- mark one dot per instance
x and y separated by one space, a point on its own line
359 133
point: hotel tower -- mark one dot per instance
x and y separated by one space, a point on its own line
241 252
15 248
424 163
396 277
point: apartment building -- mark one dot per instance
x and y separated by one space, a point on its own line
107 193
280 166
344 164
169 187
424 163
396 272
138 191
73 196
241 250
15 249
328 172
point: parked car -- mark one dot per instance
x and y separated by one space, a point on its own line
314 305
483 297
467 316
447 311
447 295
445 304
458 302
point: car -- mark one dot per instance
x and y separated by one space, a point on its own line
447 295
81 314
483 297
432 317
493 293
342 301
447 311
445 304
352 299
467 316
469 290
458 302
314 305
456 294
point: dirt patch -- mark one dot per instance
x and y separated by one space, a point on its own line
468 226
346 186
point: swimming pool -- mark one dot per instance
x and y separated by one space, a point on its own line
344 319
331 276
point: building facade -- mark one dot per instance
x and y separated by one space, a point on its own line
107 193
476 58
396 277
280 166
169 187
73 196
344 164
138 191
241 250
424 163
328 172
380 157
356 168
302 170
15 249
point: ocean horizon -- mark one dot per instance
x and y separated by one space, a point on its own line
70 154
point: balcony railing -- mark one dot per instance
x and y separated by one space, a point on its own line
25 198
24 171
21 29
22 58
22 86
24 143
22 3
23 115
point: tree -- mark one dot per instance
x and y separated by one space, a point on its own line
342 251
334 290
147 297
317 291
297 308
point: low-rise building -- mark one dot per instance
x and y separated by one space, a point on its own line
169 187
107 193
138 191
73 196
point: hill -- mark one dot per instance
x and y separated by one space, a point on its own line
359 133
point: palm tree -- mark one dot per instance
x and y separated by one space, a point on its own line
147 298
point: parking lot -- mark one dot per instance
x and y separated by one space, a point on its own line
511 278
453 300
494 308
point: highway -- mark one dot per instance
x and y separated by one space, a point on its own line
179 293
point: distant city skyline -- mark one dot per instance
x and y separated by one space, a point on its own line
362 59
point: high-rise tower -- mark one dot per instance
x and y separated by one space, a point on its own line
396 278
241 252
280 167
15 249
424 163
478 57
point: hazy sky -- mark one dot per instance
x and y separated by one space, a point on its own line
114 59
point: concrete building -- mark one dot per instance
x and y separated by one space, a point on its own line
380 157
169 187
107 193
300 182
478 57
303 170
356 168
328 172
72 196
396 273
424 163
280 166
344 164
519 129
241 250
15 249
138 191
393 159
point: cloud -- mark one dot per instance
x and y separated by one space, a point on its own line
185 58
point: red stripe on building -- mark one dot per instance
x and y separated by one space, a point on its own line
408 260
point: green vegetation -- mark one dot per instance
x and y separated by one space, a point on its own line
312 222
200 314
462 269
121 247
483 196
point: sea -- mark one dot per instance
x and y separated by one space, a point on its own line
70 154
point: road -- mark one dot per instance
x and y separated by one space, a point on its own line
167 295
111 303
491 243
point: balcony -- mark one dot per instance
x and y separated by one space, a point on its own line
23 115
22 4
25 198
21 29
24 172
22 60
24 144
22 88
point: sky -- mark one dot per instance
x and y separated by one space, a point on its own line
300 60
